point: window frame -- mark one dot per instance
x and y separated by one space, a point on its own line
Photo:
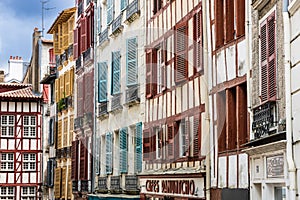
30 162
8 126
7 162
30 126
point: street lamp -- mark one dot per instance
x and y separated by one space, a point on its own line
39 193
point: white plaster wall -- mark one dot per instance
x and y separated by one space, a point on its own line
230 62
222 172
296 115
232 171
243 170
242 54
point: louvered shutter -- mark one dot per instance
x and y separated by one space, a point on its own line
196 136
170 138
186 138
83 159
57 89
110 11
131 61
97 155
219 23
45 93
240 18
72 81
67 83
98 20
102 82
154 72
70 30
116 58
148 75
50 173
80 92
88 94
57 183
75 45
74 174
229 20
176 140
123 150
124 4
60 37
264 61
83 38
138 147
51 56
108 148
62 87
59 134
56 43
63 182
146 144
198 42
272 57
181 53
69 182
65 29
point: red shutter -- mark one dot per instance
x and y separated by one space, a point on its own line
196 136
51 57
264 61
231 118
74 174
181 50
75 45
83 34
148 75
164 68
83 159
80 96
240 18
229 20
146 145
170 142
88 92
198 50
46 93
219 23
88 34
154 73
221 122
272 57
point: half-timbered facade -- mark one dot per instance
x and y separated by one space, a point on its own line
227 52
61 107
20 142
120 98
174 134
83 49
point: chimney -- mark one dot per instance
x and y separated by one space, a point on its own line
1 76
10 57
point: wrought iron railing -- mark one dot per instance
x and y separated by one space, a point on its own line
78 63
78 122
115 184
116 26
131 183
102 109
88 55
74 186
102 184
132 94
116 102
103 36
132 11
84 186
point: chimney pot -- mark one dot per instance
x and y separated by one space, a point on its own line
17 57
10 57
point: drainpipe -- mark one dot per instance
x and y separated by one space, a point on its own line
207 117
288 102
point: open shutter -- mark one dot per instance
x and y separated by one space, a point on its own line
110 11
146 144
170 138
71 81
198 50
83 159
186 138
148 75
196 136
97 155
123 150
62 87
70 30
65 29
138 147
50 173
57 183
116 62
102 82
83 39
57 88
272 57
63 182
124 4
69 181
219 23
75 45
59 134
108 147
181 48
229 20
154 72
153 144
74 174
240 18
264 61
67 83
45 93
98 20
131 61
80 92
51 132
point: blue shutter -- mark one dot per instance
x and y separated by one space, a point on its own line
138 147
108 140
97 155
131 61
110 11
50 173
102 82
116 61
99 19
123 150
124 4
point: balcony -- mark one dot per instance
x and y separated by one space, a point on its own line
58 61
80 8
74 186
116 26
103 37
132 95
102 109
64 58
88 118
78 63
115 185
102 185
88 56
84 186
50 75
70 51
116 102
78 123
131 184
132 12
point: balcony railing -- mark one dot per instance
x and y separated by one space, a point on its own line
102 109
70 51
102 184
74 186
132 95
116 26
88 118
57 61
115 184
88 56
103 37
84 186
64 57
132 11
131 184
78 63
78 123
116 102
264 120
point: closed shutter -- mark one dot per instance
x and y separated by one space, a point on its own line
148 75
153 145
110 11
170 140
67 83
88 94
59 134
45 93
146 144
50 173
56 43
57 89
60 37
70 30
62 87
51 132
75 45
123 150
97 155
74 174
229 20
72 81
57 183
98 20
108 148
181 53
116 58
196 136
102 82
138 147
131 61
198 36
83 34
83 159
63 182
219 23
154 72
51 56
69 182
124 4
80 92
65 33
240 18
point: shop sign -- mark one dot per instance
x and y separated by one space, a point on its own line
275 166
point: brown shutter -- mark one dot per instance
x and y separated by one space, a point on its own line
196 136
83 159
187 138
181 50
176 140
148 75
74 174
57 183
242 122
198 50
272 57
163 67
229 9
80 93
221 122
231 118
170 139
75 45
146 145
83 35
219 23
264 61
240 17
154 72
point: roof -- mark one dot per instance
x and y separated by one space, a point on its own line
15 90
46 40
63 17
21 85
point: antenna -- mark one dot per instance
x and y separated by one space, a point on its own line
43 9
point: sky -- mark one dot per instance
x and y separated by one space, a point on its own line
18 18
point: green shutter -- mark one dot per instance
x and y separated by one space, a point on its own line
124 4
131 61
110 11
116 62
108 140
102 82
99 20
138 147
123 150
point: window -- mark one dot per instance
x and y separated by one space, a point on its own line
29 126
198 37
116 62
159 142
28 193
268 58
110 11
7 161
108 147
181 50
102 82
123 150
184 138
65 133
131 61
7 125
29 161
157 5
124 4
7 193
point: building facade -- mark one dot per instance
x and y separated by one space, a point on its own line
120 74
21 142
